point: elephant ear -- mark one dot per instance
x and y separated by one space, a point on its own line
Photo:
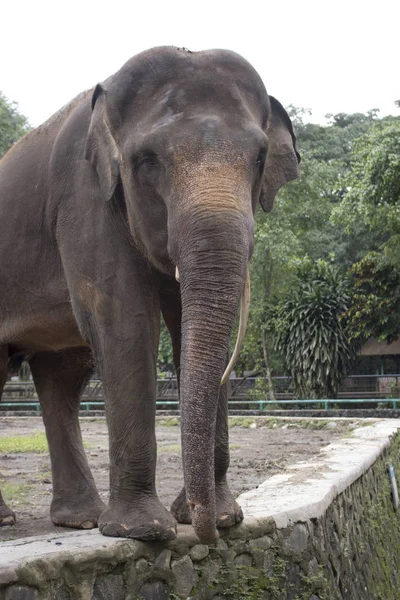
282 163
101 149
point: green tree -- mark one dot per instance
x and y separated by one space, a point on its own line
373 186
276 246
165 361
300 225
13 125
308 331
333 141
375 306
326 162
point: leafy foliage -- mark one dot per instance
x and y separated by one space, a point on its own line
165 362
13 125
324 215
300 225
375 306
373 196
308 332
334 142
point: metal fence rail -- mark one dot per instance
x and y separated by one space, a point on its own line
88 406
361 386
244 391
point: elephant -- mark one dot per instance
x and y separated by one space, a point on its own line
137 200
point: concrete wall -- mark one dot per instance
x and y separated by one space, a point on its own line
324 530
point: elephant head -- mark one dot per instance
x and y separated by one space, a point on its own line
190 143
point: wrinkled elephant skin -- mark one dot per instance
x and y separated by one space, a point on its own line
159 167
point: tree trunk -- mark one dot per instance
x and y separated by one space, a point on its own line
270 383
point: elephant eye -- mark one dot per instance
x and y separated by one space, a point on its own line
147 167
147 161
261 158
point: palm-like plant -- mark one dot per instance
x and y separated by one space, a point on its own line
309 333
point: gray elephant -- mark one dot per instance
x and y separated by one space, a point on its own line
156 172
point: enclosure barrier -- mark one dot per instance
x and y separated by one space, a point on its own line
246 388
88 406
325 530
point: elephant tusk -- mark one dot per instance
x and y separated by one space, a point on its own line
244 314
176 273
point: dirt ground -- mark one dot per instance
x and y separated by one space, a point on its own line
260 447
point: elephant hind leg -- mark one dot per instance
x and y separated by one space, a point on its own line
7 516
59 379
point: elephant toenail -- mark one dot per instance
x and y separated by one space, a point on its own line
87 525
8 521
225 518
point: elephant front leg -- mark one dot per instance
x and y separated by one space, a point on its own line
134 509
127 354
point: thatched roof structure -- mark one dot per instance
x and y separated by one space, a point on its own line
375 348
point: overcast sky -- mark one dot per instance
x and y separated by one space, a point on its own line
329 56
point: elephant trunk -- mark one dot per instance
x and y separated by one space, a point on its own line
212 270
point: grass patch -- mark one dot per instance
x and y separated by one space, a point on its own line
35 443
170 448
275 423
234 446
317 424
245 422
12 444
313 424
16 493
347 435
171 422
44 476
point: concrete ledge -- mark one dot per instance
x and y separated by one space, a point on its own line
306 489
281 545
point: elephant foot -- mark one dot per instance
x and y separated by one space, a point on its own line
228 511
180 508
80 513
146 520
7 516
